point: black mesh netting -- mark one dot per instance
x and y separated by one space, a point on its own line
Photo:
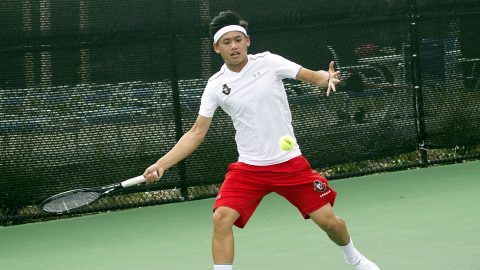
93 92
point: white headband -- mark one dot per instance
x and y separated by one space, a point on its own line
226 29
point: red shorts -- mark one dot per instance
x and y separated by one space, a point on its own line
245 186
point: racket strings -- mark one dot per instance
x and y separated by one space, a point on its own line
71 201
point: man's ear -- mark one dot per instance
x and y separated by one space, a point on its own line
215 48
247 38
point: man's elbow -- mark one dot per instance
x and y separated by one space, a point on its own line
198 135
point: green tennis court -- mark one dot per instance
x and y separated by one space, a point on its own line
417 219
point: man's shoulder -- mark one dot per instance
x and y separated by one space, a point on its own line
259 56
215 80
217 75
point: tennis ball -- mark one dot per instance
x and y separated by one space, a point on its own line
286 143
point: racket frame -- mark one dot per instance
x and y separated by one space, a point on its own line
102 191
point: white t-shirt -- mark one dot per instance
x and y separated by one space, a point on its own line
256 100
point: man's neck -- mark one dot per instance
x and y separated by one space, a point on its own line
237 68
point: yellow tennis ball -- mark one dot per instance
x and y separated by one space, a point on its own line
286 143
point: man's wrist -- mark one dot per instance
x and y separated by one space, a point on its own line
323 78
160 166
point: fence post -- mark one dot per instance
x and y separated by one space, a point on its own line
419 113
182 168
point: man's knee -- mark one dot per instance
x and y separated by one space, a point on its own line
330 224
325 218
223 219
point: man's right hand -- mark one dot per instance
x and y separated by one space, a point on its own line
153 173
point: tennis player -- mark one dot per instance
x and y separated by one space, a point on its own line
249 88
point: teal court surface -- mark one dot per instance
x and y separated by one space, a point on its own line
419 219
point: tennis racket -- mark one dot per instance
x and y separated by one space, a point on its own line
73 199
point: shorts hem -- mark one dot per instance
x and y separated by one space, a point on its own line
330 199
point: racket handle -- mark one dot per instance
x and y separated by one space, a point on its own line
133 181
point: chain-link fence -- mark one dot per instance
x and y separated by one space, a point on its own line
93 92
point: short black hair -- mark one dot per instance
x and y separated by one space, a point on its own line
225 18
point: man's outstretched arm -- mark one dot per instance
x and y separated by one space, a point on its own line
322 78
182 149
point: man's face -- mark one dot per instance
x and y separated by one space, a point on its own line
232 46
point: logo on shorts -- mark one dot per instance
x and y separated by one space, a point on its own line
319 186
226 90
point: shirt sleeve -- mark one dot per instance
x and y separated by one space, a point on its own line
283 68
208 103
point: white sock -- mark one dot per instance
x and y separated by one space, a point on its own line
222 267
350 252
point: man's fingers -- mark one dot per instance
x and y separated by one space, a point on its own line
331 67
152 176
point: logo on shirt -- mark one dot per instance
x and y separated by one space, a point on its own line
226 90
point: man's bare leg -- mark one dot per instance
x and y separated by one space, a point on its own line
222 236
